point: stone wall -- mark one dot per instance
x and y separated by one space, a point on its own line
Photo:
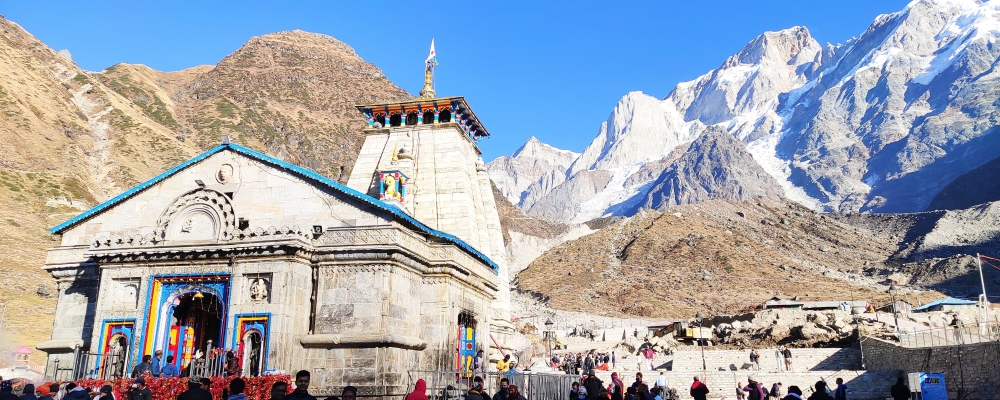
970 371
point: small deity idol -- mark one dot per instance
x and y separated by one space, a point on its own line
258 290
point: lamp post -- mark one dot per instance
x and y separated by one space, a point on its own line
549 333
892 296
701 342
856 315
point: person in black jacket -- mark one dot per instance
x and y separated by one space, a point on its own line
139 390
593 385
28 393
503 392
194 391
820 393
7 391
145 367
900 391
107 393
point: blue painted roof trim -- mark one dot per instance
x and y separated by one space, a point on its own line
301 171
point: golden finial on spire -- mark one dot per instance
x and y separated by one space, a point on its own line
428 91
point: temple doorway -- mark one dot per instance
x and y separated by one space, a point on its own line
253 351
195 319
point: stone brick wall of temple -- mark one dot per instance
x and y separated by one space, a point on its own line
971 371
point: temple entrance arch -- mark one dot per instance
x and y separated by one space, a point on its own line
190 317
117 357
253 353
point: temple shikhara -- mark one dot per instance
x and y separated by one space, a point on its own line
401 268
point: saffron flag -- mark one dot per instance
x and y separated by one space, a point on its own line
432 56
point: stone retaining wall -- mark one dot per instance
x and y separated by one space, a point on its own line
971 372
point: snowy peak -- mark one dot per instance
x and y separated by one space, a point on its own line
882 122
535 149
533 170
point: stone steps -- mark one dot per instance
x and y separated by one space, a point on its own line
730 360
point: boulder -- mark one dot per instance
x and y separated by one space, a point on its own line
778 331
810 331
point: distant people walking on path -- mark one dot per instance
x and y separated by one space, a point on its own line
755 359
614 359
900 391
698 390
820 393
841 392
794 393
785 352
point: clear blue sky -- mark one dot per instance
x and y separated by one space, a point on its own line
553 70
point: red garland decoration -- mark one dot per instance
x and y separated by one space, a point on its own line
258 387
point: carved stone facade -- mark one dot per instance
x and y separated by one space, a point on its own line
284 267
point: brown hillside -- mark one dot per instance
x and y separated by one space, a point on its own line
716 257
70 139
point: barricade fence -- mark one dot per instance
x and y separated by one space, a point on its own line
950 335
91 365
450 385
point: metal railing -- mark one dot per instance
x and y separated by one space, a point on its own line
448 385
88 365
950 335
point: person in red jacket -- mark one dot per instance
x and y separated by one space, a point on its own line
698 390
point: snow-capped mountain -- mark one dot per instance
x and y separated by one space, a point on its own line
882 123
531 172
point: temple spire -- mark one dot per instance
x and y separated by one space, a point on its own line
428 91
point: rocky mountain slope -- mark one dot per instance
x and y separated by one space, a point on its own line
71 138
715 165
721 256
883 122
716 257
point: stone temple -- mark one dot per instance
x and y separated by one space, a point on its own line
400 269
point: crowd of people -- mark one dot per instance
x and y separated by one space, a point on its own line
589 387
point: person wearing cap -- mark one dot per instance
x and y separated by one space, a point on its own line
106 393
351 392
28 392
43 392
139 390
195 391
754 390
7 391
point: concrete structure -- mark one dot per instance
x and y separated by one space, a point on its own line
291 270
971 371
947 304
